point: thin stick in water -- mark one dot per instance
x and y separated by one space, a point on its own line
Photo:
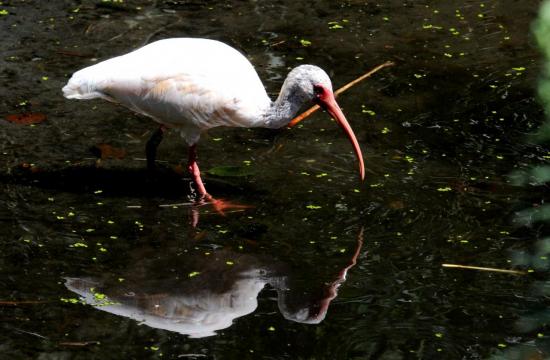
314 108
506 271
177 204
22 302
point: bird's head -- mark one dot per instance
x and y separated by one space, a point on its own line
304 81
312 83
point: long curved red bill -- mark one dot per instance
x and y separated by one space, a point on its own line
328 102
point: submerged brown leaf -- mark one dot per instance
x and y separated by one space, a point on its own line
26 118
396 205
178 169
106 151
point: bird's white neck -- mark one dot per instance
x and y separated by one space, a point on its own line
283 110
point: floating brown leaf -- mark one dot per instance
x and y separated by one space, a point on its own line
30 167
26 118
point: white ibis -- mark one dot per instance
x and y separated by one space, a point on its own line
192 85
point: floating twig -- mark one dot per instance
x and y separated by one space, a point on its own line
506 271
23 302
74 53
314 108
177 204
30 333
144 159
277 43
78 343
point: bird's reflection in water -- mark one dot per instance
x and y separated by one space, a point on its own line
209 293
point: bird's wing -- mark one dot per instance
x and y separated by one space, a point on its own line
181 100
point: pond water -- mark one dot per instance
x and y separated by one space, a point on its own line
100 259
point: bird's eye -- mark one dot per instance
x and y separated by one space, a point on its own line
318 90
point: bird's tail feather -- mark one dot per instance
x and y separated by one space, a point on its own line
78 88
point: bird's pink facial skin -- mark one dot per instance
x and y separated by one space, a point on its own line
325 98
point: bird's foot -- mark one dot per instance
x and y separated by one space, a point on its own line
220 205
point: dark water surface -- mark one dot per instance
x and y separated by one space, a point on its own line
440 131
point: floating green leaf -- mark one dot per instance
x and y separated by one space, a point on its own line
78 244
99 296
430 26
69 300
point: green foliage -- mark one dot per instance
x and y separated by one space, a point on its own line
536 175
541 30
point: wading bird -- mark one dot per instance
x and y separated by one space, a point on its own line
192 85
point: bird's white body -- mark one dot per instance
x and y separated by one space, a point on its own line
184 83
197 84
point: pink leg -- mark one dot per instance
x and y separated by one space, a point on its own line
219 205
193 168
